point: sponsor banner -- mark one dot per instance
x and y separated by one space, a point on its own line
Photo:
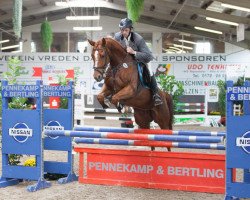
194 71
193 172
190 58
244 142
31 91
57 91
21 132
212 94
200 71
238 93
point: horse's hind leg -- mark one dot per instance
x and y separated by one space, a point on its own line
162 118
164 125
143 119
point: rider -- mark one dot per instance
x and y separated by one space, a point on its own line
136 46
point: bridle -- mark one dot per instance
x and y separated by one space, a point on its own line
103 68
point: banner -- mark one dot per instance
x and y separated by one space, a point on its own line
195 71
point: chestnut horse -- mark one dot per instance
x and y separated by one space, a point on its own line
122 85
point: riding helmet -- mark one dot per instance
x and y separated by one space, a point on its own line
126 23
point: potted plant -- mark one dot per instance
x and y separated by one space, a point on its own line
134 9
222 101
14 68
170 85
46 35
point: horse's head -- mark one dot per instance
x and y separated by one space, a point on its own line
100 57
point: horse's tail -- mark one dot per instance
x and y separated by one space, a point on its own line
170 104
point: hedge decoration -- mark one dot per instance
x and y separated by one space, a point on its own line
47 35
134 8
17 17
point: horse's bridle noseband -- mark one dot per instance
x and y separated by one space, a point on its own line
103 68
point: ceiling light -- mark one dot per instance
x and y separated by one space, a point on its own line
222 21
4 41
83 4
208 30
10 47
83 17
88 28
235 7
175 48
183 47
187 41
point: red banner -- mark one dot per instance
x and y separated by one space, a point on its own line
70 73
38 71
163 170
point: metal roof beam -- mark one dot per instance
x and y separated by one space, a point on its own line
51 7
196 10
241 3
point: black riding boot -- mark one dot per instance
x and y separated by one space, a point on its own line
154 89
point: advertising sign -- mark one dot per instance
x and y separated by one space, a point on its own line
194 71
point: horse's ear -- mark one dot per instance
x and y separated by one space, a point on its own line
92 43
103 42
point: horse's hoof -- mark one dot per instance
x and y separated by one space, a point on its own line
107 103
105 106
120 107
115 101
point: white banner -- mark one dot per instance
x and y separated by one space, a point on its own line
196 72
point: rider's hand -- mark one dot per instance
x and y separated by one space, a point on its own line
130 50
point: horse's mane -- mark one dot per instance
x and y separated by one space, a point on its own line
111 43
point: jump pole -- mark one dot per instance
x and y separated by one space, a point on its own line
110 135
149 131
191 145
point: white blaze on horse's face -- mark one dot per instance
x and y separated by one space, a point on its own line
96 58
98 76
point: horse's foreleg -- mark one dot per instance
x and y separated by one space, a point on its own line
126 93
102 97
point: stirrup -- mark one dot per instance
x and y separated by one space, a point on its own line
157 100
